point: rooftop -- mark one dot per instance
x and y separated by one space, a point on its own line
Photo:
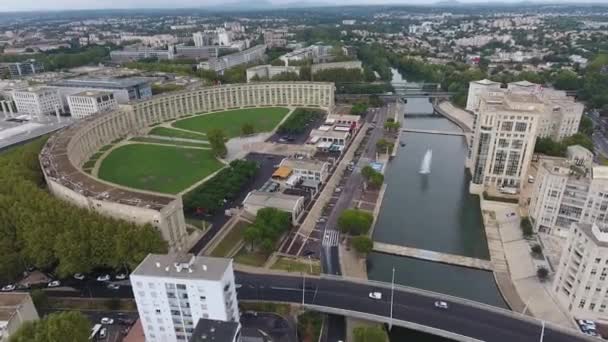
600 172
524 84
186 266
213 330
597 234
272 200
92 93
486 82
109 83
303 164
9 303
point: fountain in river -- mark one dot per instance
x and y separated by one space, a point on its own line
425 166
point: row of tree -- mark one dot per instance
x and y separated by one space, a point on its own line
37 229
269 225
558 148
299 120
64 58
208 197
67 326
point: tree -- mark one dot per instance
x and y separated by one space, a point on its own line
362 244
358 108
367 171
566 80
586 126
375 101
383 145
376 180
217 140
247 129
355 221
537 249
392 126
543 273
370 334
526 227
269 225
71 326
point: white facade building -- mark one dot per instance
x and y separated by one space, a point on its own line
580 284
174 291
503 140
257 200
267 71
37 101
91 102
566 192
308 169
476 89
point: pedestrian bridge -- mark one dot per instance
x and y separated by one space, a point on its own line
430 131
463 320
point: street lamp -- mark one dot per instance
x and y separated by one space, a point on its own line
542 332
392 296
303 286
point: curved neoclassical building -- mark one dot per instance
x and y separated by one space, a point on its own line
62 157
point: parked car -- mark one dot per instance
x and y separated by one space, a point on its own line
441 305
375 295
79 276
121 276
8 288
107 320
54 283
24 286
103 277
103 333
113 286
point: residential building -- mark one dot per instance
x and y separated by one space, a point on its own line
568 191
275 38
329 135
20 69
580 284
343 120
220 64
503 140
307 168
312 52
37 101
15 309
476 89
91 102
174 291
125 89
214 330
336 65
257 200
267 71
156 40
201 52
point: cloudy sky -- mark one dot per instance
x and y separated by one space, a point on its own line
28 5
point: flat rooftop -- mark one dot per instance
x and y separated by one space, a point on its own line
303 164
9 303
207 330
109 83
22 129
272 199
92 93
185 266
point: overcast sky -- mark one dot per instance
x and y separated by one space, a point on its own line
29 5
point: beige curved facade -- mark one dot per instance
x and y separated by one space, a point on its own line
64 153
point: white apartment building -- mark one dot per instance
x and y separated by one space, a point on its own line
311 169
267 71
91 102
37 101
580 284
275 38
250 55
567 192
503 140
174 291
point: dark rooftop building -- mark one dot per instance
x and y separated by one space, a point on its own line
208 330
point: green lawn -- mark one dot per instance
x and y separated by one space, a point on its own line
262 119
157 168
171 142
230 240
291 265
176 133
246 257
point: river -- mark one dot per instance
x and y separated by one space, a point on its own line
434 212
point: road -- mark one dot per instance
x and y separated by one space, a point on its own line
464 318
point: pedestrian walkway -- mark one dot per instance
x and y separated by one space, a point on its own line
331 238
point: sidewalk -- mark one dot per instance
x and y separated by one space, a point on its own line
530 294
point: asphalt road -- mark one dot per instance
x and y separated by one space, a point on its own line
462 319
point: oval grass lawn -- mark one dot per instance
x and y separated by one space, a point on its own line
157 168
263 120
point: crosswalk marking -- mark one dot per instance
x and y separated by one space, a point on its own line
331 238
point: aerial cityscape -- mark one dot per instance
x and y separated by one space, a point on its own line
360 171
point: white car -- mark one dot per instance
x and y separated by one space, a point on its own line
107 320
121 276
103 333
54 283
113 286
104 277
8 288
375 295
79 276
441 305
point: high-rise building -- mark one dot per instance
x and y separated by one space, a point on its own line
567 191
275 38
37 101
503 140
174 291
91 102
580 284
20 69
220 64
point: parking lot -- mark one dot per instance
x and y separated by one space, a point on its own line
297 139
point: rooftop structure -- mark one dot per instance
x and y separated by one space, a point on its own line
15 309
125 89
257 200
213 330
268 71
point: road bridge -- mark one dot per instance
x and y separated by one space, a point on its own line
431 131
464 320
424 254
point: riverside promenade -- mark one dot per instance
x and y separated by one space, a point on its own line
424 254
